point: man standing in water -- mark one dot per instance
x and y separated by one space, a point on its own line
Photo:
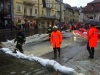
56 40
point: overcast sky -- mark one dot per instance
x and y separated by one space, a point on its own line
77 3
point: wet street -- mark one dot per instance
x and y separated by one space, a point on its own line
73 51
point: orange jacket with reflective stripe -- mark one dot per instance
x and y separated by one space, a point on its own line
56 39
92 36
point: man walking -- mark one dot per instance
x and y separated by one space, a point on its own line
20 38
56 40
92 38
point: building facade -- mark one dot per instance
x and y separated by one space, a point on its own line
33 11
75 14
92 10
68 16
51 13
24 10
6 14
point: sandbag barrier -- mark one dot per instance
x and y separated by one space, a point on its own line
44 62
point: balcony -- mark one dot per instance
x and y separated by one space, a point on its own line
48 17
29 2
48 6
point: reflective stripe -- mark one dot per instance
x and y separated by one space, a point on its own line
17 49
20 36
19 43
55 36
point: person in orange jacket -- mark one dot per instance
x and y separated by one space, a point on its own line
92 38
56 40
70 27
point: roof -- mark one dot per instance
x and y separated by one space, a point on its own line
96 4
67 6
95 1
75 9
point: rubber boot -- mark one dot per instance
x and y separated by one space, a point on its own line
14 51
58 52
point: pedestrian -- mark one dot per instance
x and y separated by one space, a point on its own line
70 27
19 24
24 27
56 40
49 31
20 38
92 38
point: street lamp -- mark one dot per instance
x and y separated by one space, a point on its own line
93 8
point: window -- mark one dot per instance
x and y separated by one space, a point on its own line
25 10
48 12
30 11
42 12
36 11
36 1
18 7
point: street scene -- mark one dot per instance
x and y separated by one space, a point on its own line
49 37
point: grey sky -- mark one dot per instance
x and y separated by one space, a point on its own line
77 3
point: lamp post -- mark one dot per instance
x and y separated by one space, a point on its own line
93 8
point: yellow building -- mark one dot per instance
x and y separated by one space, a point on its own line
23 10
68 15
32 10
71 14
76 14
48 15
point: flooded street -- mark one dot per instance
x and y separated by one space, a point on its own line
73 54
12 66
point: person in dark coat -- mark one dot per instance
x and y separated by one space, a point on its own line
49 30
20 38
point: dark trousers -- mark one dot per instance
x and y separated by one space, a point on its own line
90 50
19 47
55 52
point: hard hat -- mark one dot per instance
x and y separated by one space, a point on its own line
49 25
55 27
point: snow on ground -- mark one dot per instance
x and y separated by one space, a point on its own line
38 37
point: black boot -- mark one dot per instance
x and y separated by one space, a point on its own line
55 53
58 52
14 51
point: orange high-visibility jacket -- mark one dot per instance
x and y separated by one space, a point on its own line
92 36
70 27
56 39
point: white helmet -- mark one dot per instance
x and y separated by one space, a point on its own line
55 27
49 25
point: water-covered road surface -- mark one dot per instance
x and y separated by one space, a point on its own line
71 47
